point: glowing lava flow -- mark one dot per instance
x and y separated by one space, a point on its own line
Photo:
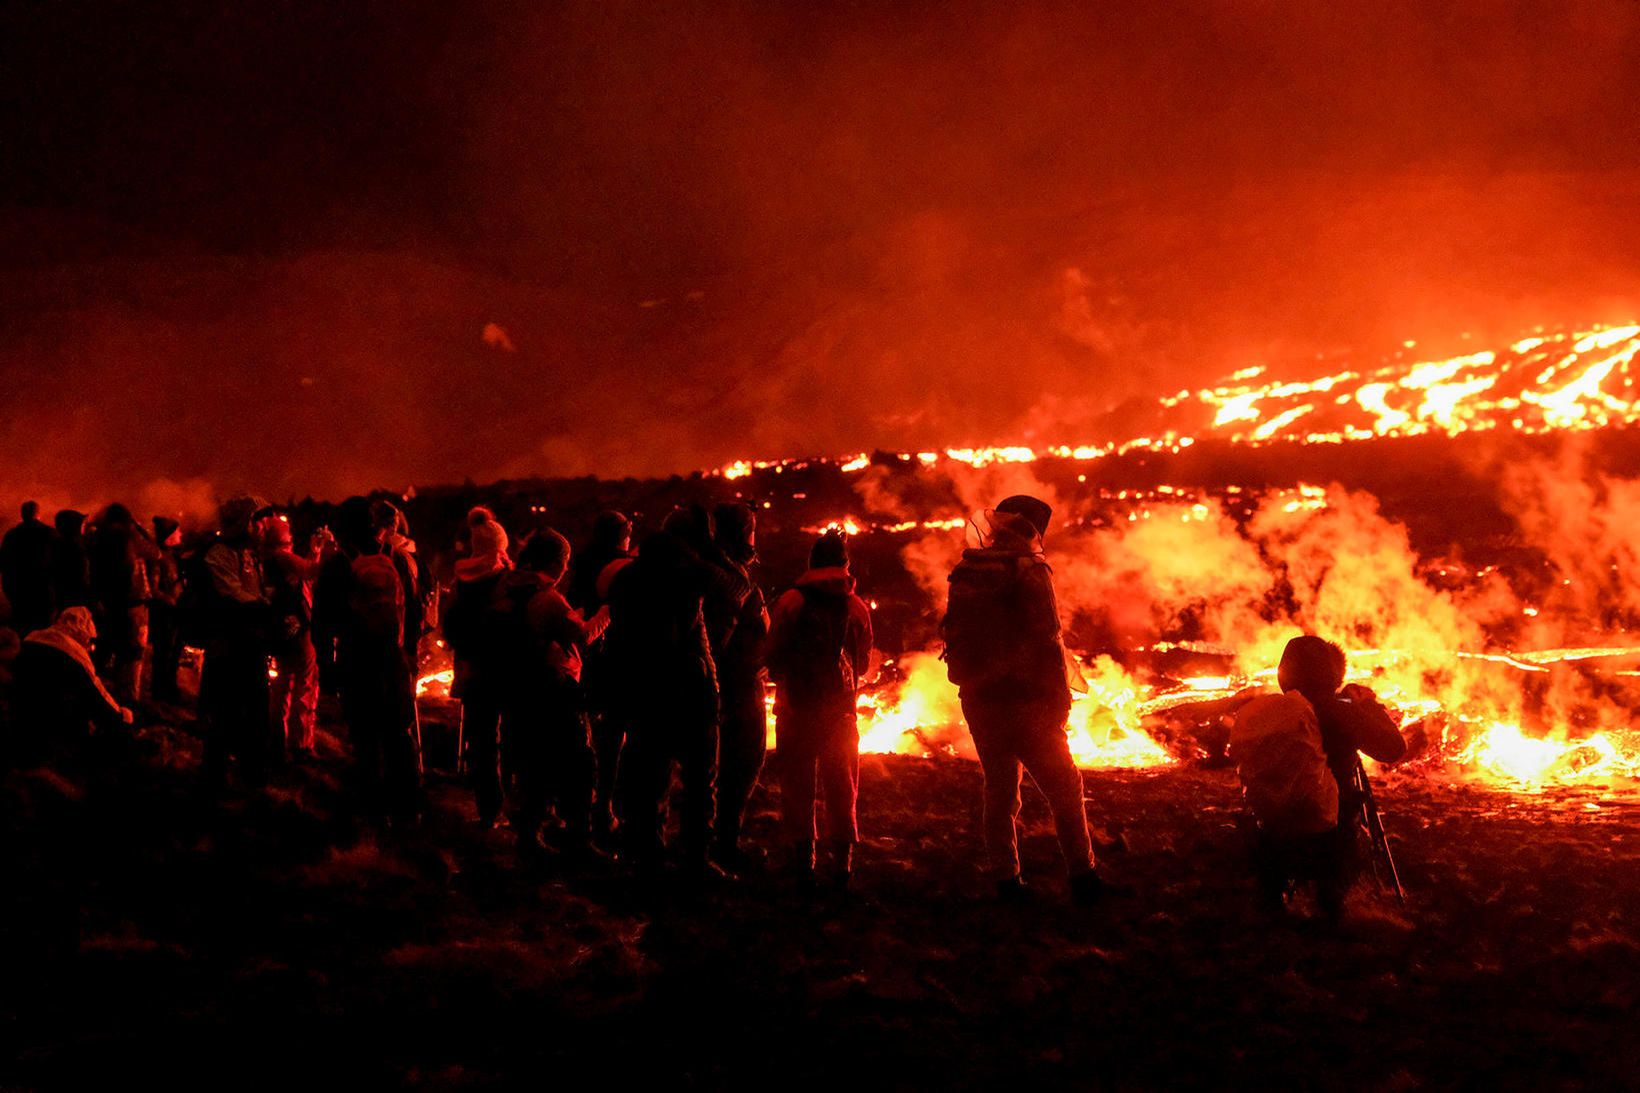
1557 381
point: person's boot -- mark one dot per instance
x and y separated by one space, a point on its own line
1089 889
842 866
1013 892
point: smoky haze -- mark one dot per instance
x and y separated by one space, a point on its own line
306 250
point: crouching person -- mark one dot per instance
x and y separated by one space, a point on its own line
1004 652
1296 755
819 646
61 710
548 736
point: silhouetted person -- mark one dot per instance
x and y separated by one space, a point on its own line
393 529
547 732
743 728
70 566
25 572
1296 754
479 657
1004 652
819 647
233 685
607 552
120 553
664 662
362 593
164 598
290 578
60 704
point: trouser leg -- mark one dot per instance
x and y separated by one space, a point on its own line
481 729
573 771
1047 756
303 715
646 771
1001 767
742 741
798 761
608 734
840 780
697 760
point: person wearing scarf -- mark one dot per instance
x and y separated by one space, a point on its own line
60 702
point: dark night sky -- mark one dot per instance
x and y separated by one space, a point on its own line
256 244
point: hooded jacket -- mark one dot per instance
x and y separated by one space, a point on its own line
1001 626
60 701
821 598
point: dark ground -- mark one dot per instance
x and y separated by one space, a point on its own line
270 941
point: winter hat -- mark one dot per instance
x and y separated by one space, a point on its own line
1037 513
1311 666
488 538
830 551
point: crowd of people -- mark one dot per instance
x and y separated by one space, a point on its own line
588 680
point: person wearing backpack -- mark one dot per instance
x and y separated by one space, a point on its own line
237 617
1296 755
819 647
478 678
660 654
360 598
1004 652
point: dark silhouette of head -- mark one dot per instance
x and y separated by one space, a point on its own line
117 515
611 531
692 525
1036 512
69 523
736 531
830 551
547 553
1312 666
355 530
31 509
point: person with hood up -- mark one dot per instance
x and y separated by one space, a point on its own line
60 704
363 588
165 598
819 647
478 678
290 578
547 732
70 565
1004 652
120 552
663 661
394 531
25 572
743 729
1296 755
233 685
607 552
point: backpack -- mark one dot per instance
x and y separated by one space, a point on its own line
376 597
980 646
812 664
1275 742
